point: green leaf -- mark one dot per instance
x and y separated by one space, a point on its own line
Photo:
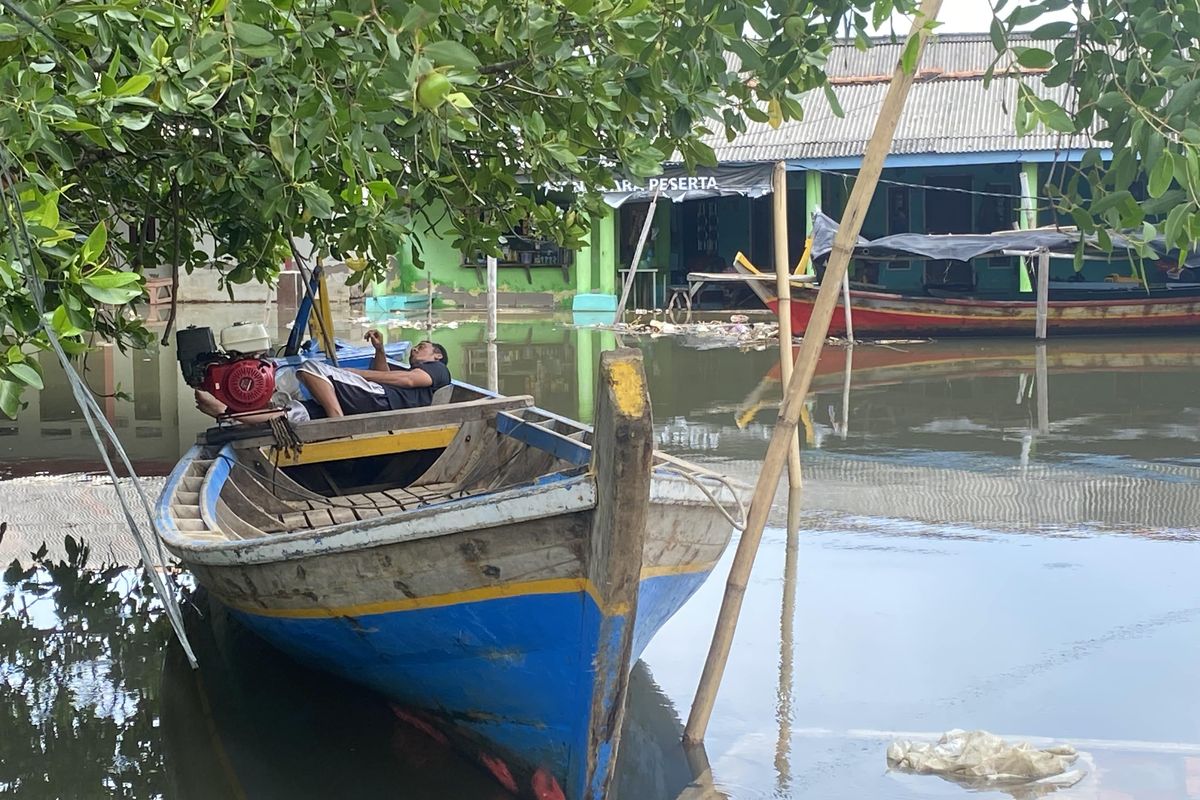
452 53
113 279
1174 225
159 47
26 374
317 201
1034 58
832 99
10 398
216 8
999 40
908 59
112 297
93 247
135 85
1161 176
250 34
1052 30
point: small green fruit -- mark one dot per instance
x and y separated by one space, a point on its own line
432 90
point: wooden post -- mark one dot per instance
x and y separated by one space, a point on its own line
1027 217
806 365
846 306
1043 293
622 450
783 287
1043 388
493 376
637 256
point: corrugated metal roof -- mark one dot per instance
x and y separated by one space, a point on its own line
942 115
948 52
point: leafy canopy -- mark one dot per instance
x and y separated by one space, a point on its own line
240 126
1130 70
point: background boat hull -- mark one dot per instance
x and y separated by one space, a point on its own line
879 314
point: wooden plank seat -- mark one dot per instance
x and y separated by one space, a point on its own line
322 430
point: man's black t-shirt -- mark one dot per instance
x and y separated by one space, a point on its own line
416 397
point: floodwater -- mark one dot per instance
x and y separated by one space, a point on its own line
978 549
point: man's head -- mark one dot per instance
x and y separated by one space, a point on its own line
429 351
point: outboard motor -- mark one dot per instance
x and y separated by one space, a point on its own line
236 374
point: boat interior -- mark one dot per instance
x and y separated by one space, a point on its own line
248 481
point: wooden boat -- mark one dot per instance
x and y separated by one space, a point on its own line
1083 307
491 565
879 314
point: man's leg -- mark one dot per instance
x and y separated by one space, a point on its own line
339 391
322 391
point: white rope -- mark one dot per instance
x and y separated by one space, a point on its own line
94 416
740 523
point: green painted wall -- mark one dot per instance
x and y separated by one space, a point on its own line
444 263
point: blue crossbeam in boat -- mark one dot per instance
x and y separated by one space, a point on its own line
534 435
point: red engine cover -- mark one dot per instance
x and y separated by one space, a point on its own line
243 385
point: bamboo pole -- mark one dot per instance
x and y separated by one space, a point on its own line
493 366
1043 293
637 256
806 364
1043 388
846 306
783 287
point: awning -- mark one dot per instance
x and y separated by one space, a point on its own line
966 246
678 185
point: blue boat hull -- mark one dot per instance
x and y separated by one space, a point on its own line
528 659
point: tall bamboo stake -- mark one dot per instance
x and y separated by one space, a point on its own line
783 288
637 256
493 366
846 306
1043 293
806 365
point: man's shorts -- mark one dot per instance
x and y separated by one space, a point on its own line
355 394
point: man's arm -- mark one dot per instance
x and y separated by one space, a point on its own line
401 378
379 362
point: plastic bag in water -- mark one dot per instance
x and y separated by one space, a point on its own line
980 760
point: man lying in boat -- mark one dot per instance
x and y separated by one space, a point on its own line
339 392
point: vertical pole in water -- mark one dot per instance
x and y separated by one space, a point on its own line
806 365
1043 293
493 377
783 288
637 257
622 451
1043 388
846 306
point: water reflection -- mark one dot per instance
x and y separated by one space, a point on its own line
954 566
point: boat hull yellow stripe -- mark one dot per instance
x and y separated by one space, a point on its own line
373 445
483 593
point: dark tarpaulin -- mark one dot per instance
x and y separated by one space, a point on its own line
678 185
966 246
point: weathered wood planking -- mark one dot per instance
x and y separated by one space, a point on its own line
322 430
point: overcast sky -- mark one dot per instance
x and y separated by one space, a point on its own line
974 16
